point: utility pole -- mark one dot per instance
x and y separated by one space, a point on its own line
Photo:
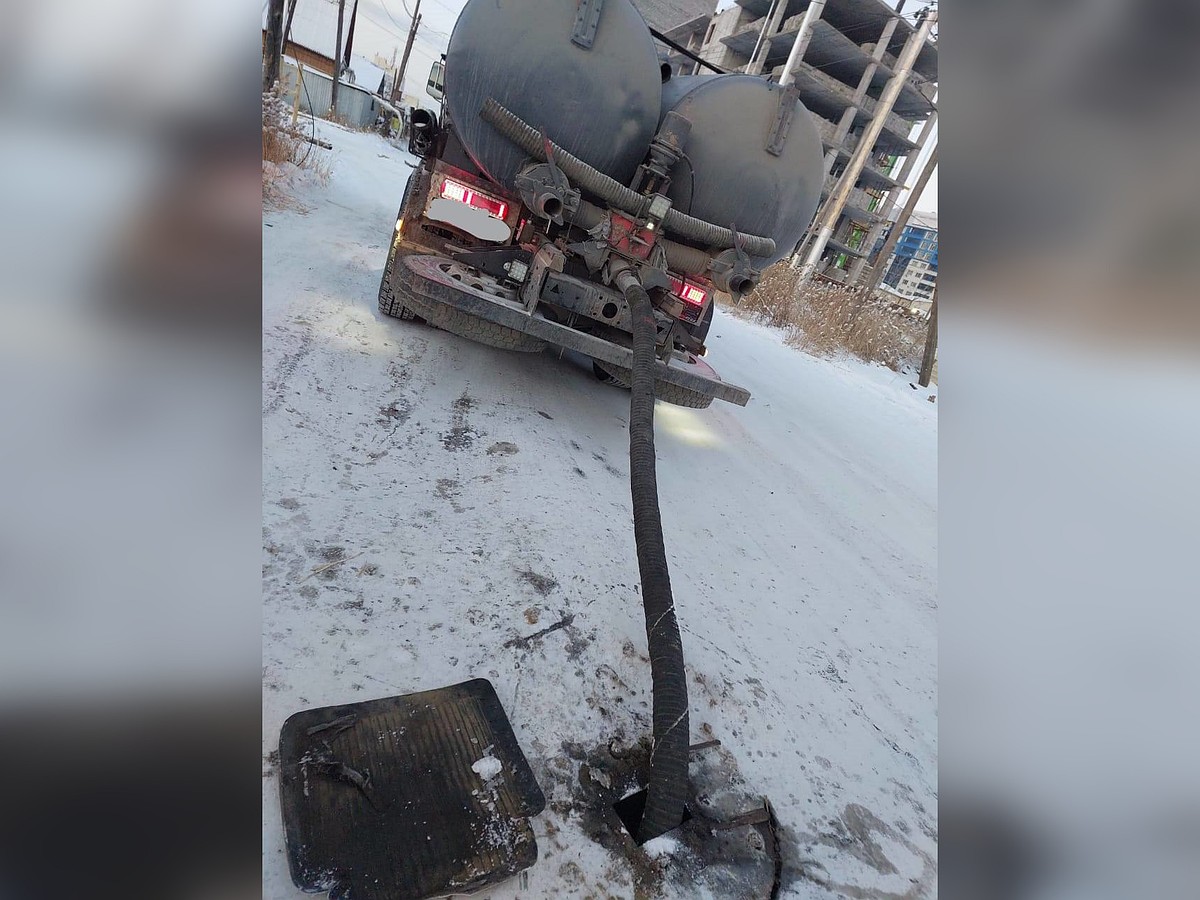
762 48
930 354
815 8
350 36
337 62
287 26
837 202
272 44
398 86
901 220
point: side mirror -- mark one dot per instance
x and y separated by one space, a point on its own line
436 85
422 132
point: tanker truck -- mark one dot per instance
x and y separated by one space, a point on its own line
567 165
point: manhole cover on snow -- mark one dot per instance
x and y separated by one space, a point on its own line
407 797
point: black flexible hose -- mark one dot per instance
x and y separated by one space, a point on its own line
667 789
612 191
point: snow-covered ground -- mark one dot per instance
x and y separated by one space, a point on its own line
477 495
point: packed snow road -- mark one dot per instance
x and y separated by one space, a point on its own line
428 501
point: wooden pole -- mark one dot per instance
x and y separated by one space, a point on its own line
272 44
287 25
346 53
927 359
398 87
337 62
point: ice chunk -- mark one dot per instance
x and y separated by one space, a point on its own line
486 768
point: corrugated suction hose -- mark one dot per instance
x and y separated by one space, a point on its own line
667 789
625 199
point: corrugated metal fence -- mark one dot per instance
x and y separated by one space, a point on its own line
356 106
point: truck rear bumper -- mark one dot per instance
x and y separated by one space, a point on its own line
437 280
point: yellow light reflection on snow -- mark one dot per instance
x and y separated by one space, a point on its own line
687 425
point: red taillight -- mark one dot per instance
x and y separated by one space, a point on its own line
453 190
688 293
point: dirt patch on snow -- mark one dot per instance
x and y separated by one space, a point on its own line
543 584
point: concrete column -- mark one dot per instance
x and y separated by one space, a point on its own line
860 94
901 220
889 202
827 163
839 138
771 23
833 208
864 83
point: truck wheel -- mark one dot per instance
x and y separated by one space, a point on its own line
479 330
608 377
663 390
389 305
458 322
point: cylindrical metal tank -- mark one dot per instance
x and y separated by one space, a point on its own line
736 180
600 103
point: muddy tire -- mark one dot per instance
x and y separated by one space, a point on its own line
458 322
389 298
479 330
663 390
603 375
389 303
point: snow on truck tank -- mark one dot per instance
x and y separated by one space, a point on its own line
600 103
738 180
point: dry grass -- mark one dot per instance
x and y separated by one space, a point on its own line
826 319
286 153
279 145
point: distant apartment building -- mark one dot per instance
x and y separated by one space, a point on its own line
911 272
843 70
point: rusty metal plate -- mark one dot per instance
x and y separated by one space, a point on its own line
407 798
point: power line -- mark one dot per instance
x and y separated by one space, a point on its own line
388 13
448 9
384 28
404 37
403 3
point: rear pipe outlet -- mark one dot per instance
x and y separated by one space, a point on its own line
546 191
549 206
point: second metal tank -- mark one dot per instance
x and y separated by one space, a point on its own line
729 176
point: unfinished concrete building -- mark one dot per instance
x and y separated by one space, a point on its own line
689 34
850 57
665 15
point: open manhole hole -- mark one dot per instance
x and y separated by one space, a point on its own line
631 809
723 847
